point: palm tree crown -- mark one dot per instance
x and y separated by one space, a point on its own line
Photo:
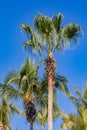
49 33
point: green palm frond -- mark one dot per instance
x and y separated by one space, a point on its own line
57 20
12 92
80 99
7 109
71 31
28 76
38 66
11 77
61 83
33 42
75 121
85 94
43 25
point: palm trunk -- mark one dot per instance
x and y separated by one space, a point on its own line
50 71
42 127
31 125
50 106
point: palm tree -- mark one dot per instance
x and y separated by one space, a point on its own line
77 121
47 36
6 111
42 114
23 85
28 86
80 99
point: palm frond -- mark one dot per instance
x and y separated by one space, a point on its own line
38 66
11 77
72 31
33 43
61 83
57 20
43 24
85 94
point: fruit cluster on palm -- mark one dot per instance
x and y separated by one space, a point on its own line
30 112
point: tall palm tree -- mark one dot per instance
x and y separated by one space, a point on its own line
47 36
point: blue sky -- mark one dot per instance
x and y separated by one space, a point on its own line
72 63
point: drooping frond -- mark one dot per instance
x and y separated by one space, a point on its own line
33 42
71 30
61 83
12 92
71 34
11 77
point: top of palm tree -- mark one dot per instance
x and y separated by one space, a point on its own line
49 34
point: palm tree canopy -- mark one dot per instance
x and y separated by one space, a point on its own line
27 80
80 99
18 83
49 33
75 121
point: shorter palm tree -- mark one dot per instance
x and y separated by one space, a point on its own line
23 85
75 121
6 110
42 114
30 87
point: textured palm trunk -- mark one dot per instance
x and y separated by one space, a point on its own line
42 127
31 125
50 71
50 105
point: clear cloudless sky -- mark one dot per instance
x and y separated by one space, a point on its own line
72 63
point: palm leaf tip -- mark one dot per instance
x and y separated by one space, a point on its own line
43 24
57 20
72 30
26 28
